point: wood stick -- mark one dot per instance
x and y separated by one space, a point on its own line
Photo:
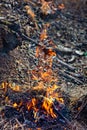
71 77
82 107
63 117
65 64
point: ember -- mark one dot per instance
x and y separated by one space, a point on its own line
61 6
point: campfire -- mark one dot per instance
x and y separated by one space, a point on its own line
42 64
42 102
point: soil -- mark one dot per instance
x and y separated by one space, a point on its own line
67 30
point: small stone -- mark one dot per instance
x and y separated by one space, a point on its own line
78 52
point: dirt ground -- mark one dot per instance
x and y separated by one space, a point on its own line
67 30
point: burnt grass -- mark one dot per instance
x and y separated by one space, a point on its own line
68 31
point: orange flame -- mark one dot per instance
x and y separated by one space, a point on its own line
6 85
32 105
16 88
43 35
17 105
53 94
40 86
48 106
45 8
38 129
30 11
61 6
46 84
45 62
